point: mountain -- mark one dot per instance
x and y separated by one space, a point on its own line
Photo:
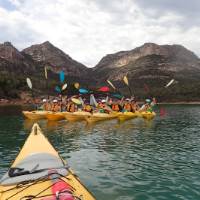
57 60
16 66
150 67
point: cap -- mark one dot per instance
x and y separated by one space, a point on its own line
148 100
44 100
55 101
103 101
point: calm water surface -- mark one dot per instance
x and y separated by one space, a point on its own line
136 160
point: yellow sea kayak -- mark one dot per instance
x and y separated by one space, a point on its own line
35 115
95 117
39 173
127 115
76 116
148 115
55 116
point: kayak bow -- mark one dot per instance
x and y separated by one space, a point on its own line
39 172
35 115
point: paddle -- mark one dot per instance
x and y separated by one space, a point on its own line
83 91
170 83
29 83
76 85
111 84
62 76
125 79
93 101
57 89
46 78
64 87
104 89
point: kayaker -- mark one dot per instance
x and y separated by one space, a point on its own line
87 108
147 107
135 106
127 106
46 106
103 108
55 107
116 106
71 107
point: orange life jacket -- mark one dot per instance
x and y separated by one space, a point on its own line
115 107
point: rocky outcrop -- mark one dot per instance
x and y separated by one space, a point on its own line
55 59
148 68
153 65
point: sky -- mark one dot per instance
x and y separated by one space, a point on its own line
87 30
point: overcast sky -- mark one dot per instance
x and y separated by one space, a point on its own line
87 30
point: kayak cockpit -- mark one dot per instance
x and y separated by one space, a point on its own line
33 167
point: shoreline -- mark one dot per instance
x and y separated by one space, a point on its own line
18 102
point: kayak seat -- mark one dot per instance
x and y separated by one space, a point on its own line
37 165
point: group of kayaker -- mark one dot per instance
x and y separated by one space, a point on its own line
103 106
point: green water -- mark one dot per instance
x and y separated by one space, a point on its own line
136 160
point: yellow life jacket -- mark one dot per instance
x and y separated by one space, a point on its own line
88 108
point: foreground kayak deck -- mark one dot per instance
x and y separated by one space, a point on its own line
45 169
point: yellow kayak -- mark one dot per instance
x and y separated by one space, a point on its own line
76 116
127 115
148 115
35 115
39 173
95 117
55 116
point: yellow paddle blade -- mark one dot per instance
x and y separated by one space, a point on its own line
76 101
125 79
110 83
45 72
76 85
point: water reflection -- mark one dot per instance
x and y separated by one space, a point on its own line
137 159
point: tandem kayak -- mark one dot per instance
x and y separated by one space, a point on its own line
95 117
39 172
148 115
76 116
35 115
55 116
127 115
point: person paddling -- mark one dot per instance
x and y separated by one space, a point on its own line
116 106
127 106
55 107
103 108
87 107
71 107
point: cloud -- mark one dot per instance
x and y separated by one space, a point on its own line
87 30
